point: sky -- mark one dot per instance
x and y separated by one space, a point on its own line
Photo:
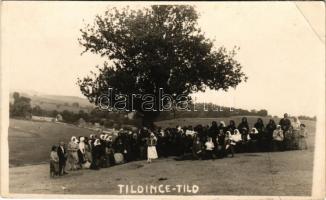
282 49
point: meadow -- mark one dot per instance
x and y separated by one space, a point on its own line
30 141
286 173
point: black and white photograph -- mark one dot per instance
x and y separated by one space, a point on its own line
209 100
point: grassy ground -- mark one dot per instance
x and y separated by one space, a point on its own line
278 173
30 141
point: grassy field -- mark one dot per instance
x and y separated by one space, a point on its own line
30 141
278 173
26 136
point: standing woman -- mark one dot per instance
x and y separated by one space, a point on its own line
295 133
259 126
151 149
81 151
72 153
270 127
302 137
96 155
88 150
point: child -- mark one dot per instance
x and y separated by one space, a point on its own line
278 138
151 149
209 148
54 162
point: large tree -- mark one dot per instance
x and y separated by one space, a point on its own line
155 47
21 106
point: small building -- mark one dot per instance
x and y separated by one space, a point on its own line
59 118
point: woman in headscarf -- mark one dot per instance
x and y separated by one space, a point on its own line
231 127
213 130
270 127
235 140
243 127
88 150
254 140
220 144
197 148
295 133
229 144
72 153
302 143
81 151
151 149
96 155
222 126
110 150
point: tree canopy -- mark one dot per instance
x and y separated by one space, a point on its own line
160 46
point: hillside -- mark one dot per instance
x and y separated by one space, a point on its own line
56 102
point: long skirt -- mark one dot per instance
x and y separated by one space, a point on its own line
151 152
54 167
81 157
73 160
302 143
289 140
88 156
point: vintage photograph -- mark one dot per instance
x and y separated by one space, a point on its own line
151 99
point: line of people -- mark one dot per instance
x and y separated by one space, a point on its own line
199 142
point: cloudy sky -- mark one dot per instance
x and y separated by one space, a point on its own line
282 50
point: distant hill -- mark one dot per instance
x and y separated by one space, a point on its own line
56 102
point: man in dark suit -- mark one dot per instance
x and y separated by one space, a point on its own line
62 158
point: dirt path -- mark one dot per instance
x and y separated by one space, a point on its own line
280 173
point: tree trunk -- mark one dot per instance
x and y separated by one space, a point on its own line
149 118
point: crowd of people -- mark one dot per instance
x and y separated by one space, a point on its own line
200 142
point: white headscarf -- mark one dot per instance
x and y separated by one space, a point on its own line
222 123
236 136
254 131
296 124
109 138
73 138
236 132
228 133
97 142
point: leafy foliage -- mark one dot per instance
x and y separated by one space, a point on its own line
21 106
157 47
